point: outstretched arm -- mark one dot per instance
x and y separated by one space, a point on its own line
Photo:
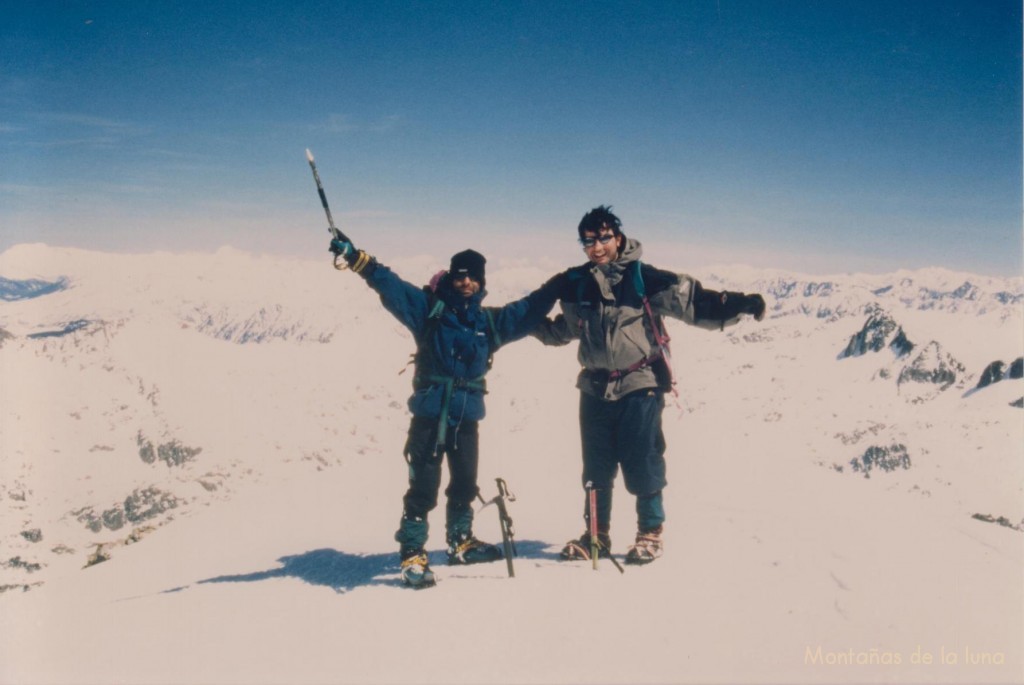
517 319
404 300
725 306
684 298
555 332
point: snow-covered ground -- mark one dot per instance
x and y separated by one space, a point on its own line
224 431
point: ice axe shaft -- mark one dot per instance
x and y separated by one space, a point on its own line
339 263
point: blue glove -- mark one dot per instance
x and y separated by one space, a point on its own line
341 248
356 259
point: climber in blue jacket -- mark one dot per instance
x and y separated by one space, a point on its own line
456 337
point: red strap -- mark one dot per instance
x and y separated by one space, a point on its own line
661 337
662 340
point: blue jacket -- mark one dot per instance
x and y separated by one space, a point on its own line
459 346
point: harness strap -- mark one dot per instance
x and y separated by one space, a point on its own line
661 338
493 330
450 383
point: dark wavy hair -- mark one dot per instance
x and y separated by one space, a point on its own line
598 218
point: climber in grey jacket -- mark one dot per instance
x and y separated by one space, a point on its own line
613 305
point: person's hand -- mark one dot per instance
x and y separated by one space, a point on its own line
740 303
341 248
754 305
357 260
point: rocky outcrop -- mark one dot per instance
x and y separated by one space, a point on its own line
881 458
13 290
172 453
19 563
932 366
998 371
268 323
66 329
1000 520
879 332
931 371
141 505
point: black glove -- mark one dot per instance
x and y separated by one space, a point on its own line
750 304
734 304
711 305
756 306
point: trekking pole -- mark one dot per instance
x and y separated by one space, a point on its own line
615 562
507 532
595 543
508 542
339 263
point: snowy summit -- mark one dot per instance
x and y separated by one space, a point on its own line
201 475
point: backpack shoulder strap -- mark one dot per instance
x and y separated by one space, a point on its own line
577 275
435 309
493 339
638 280
492 328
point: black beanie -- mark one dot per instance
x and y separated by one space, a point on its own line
469 263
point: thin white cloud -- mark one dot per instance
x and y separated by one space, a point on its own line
56 130
75 128
342 123
23 190
388 123
338 123
95 141
89 121
164 153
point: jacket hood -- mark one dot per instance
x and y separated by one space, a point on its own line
631 252
609 275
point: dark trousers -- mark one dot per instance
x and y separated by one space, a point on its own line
462 448
625 433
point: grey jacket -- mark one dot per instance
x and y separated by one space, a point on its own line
602 308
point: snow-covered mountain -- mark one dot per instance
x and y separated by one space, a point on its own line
217 437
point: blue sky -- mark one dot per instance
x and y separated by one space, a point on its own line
838 135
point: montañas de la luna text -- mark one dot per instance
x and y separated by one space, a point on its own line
881 657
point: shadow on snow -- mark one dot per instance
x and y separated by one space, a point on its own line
344 572
327 567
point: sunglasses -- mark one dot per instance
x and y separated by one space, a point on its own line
588 243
